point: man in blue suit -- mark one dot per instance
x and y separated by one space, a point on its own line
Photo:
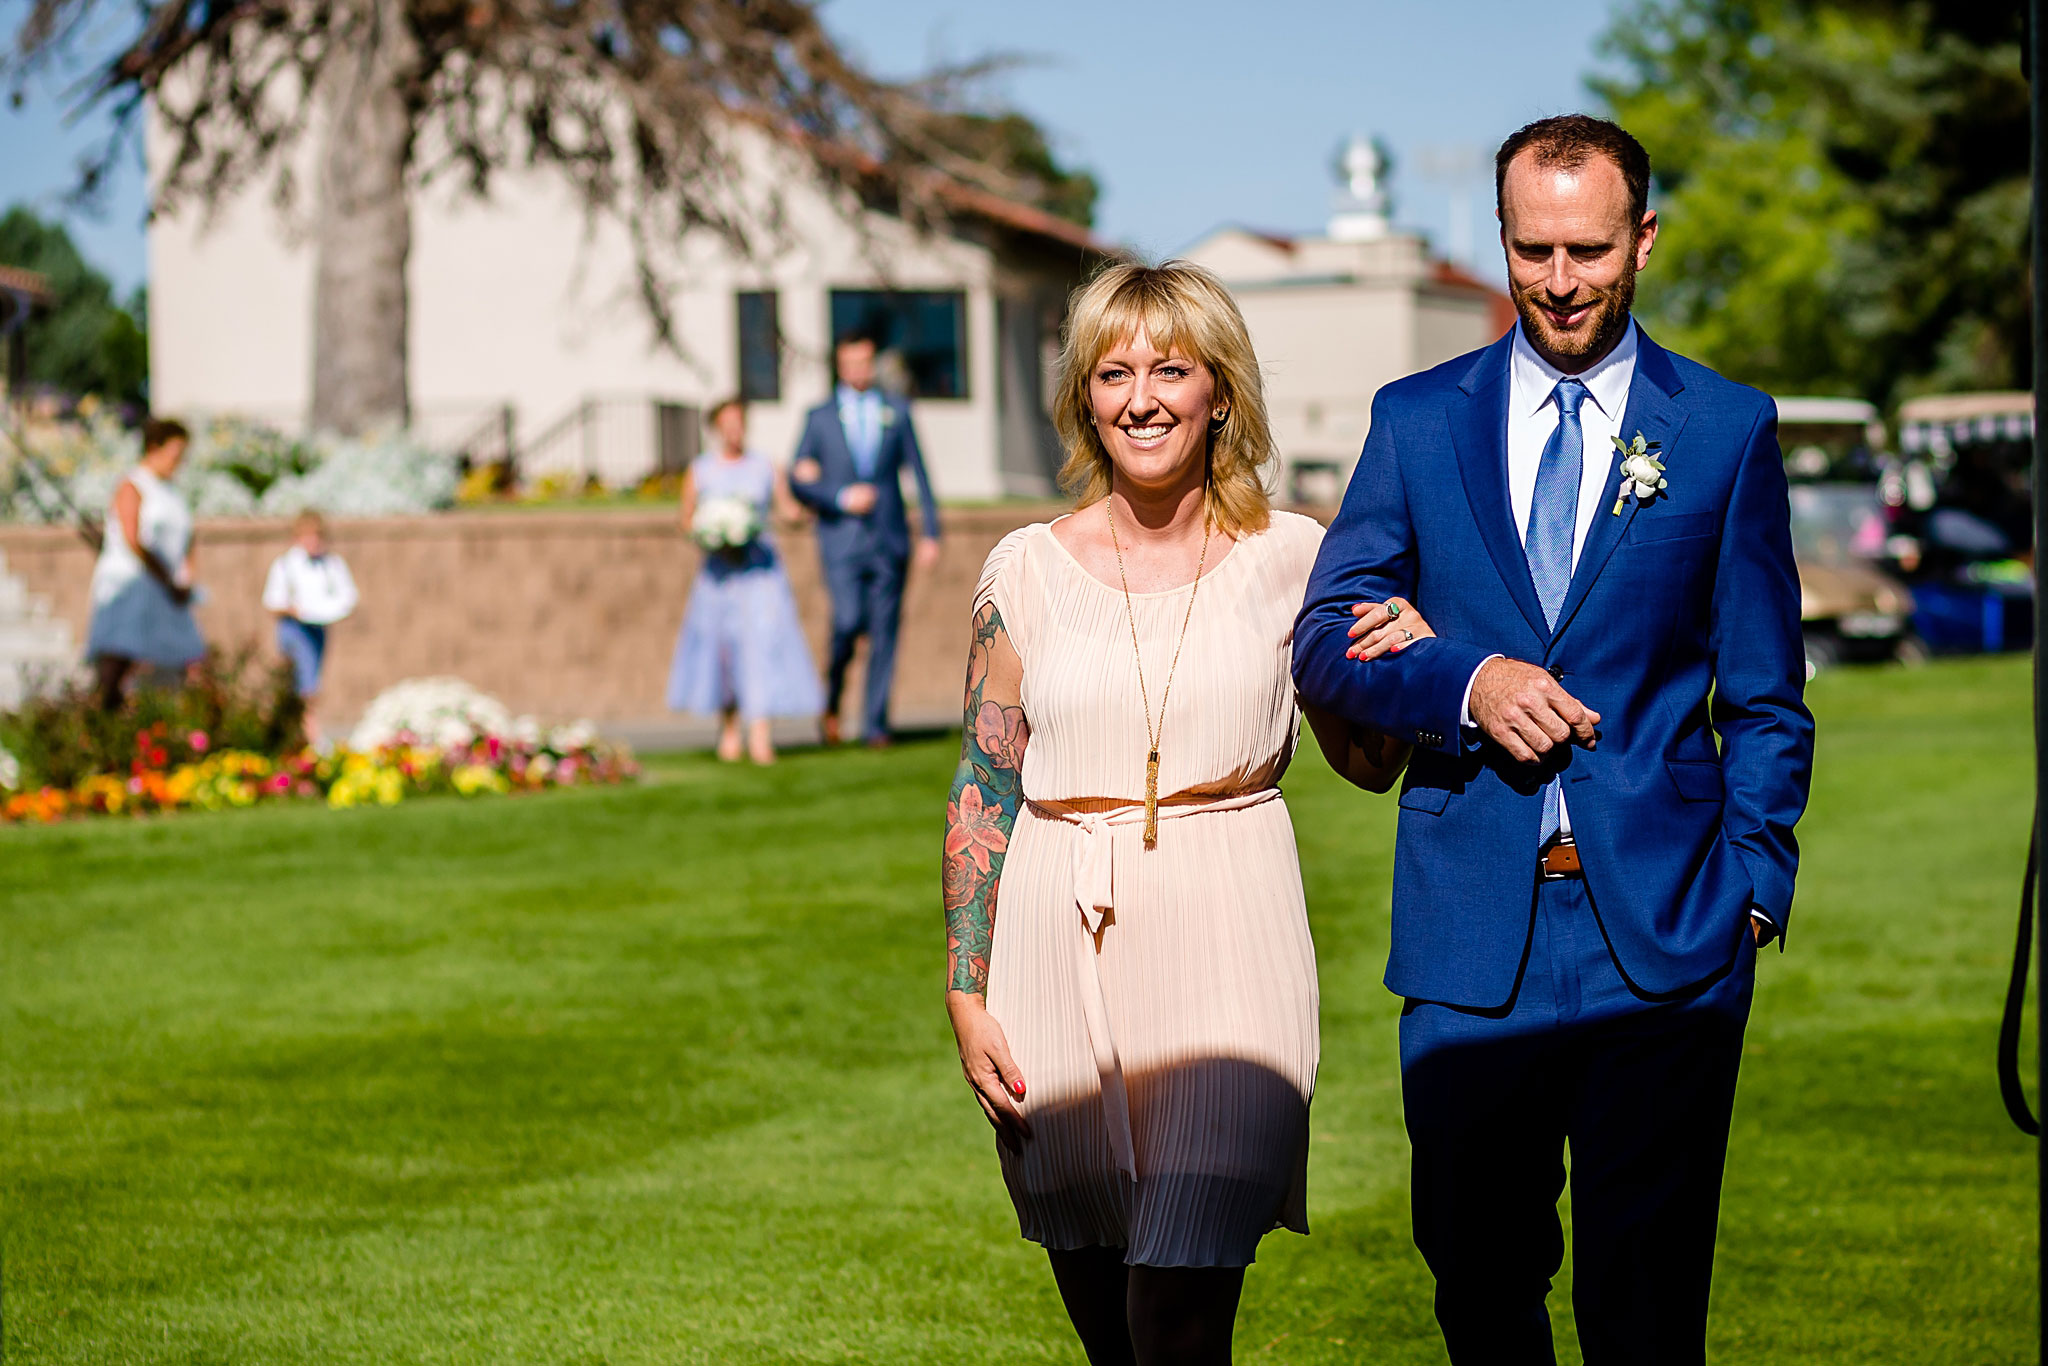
848 469
1583 874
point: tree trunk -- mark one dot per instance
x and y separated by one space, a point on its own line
365 226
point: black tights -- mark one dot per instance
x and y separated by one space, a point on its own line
1148 1315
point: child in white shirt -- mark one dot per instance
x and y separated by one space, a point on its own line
309 589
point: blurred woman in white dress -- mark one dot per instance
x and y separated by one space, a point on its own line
142 584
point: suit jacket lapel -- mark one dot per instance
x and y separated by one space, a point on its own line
1653 409
1479 435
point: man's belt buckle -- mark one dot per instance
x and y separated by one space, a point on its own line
1559 862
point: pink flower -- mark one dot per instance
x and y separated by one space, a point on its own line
198 741
135 785
1000 734
971 828
281 782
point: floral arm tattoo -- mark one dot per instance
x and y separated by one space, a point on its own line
982 808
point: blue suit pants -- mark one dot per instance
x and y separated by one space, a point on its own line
1638 1088
867 599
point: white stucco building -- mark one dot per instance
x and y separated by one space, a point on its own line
524 316
1337 315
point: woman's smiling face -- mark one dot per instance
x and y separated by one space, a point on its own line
1152 409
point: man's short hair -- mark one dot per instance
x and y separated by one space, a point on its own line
1564 142
854 336
159 432
729 401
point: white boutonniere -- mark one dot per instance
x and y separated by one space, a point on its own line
888 418
1642 473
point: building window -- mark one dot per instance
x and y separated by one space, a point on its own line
760 346
922 330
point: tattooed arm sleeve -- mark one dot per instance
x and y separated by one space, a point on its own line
982 807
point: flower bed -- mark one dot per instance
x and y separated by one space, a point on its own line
398 758
233 469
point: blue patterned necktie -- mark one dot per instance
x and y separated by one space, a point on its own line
1553 516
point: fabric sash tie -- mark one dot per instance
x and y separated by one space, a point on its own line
1094 892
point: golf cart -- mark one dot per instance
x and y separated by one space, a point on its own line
1964 520
1851 609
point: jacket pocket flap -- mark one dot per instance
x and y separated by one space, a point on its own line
1431 799
1698 780
1670 528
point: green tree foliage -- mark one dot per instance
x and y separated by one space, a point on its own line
1014 141
86 343
1843 187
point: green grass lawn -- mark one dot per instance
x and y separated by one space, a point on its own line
662 1075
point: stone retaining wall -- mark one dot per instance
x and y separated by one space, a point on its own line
560 613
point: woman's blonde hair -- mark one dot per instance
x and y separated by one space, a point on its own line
1180 307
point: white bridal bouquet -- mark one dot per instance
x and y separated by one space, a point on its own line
725 523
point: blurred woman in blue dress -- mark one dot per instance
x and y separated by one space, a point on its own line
142 588
741 654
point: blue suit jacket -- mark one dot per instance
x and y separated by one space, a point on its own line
1680 627
843 537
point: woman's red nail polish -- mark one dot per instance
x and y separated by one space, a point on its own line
1018 1087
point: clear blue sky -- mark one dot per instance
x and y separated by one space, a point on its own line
1206 112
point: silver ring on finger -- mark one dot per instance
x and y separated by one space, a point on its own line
1407 634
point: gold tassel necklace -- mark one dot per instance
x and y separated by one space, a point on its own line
1152 731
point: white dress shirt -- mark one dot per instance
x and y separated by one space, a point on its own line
316 589
1532 418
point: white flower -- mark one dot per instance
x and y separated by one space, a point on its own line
442 712
572 737
1646 474
10 772
81 462
1642 473
725 523
447 713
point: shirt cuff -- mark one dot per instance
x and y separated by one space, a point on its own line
839 499
1465 707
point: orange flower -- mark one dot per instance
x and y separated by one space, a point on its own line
971 828
959 880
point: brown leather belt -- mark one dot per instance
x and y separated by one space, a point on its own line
1560 861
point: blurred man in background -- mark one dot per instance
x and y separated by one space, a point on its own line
848 469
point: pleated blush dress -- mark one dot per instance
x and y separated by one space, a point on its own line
1161 1003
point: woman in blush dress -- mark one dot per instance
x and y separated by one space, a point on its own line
142 584
1132 983
741 654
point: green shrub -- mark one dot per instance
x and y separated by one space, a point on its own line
62 736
